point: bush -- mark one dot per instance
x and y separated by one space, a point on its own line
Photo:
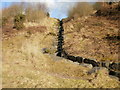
4 21
12 10
97 6
81 9
18 21
48 50
78 26
35 13
108 9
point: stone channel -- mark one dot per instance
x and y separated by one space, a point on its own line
114 68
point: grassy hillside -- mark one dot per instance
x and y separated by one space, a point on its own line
92 37
29 55
95 36
25 65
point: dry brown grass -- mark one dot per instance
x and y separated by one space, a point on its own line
88 41
25 66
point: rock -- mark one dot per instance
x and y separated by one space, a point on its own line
115 66
93 70
44 50
76 63
79 59
92 62
86 65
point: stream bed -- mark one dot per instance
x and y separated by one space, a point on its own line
113 67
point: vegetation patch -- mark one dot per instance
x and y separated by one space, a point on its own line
81 9
98 24
48 50
4 21
18 21
51 33
78 26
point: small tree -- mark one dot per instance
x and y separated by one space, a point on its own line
81 9
18 21
97 6
12 10
4 21
35 12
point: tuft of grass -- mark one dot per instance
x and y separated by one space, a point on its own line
51 33
97 24
78 26
49 50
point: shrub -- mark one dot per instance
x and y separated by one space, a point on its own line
12 10
109 9
4 21
81 9
18 21
78 26
97 6
48 15
35 13
49 50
